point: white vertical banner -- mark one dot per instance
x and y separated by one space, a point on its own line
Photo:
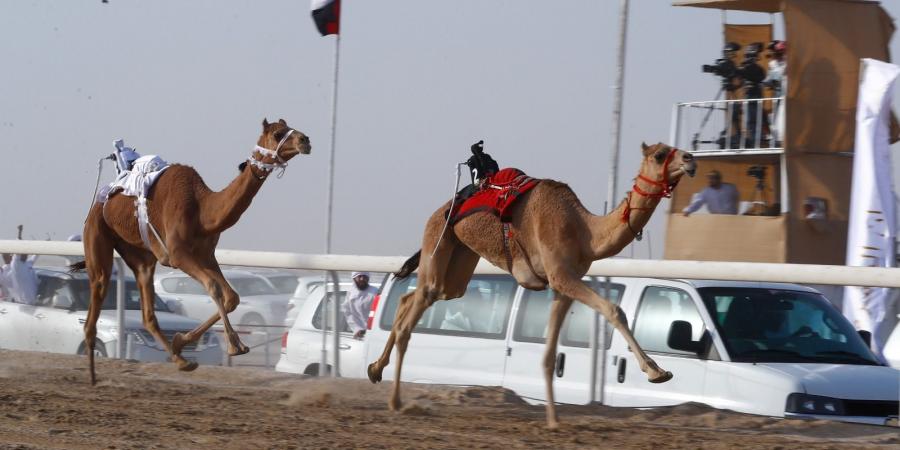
872 228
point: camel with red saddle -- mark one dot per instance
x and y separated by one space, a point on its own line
188 217
548 239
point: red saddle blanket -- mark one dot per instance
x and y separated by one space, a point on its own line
497 195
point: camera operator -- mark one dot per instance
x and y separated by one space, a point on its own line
752 75
726 70
776 79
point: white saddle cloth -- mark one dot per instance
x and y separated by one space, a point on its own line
137 183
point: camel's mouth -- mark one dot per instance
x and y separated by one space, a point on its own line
305 149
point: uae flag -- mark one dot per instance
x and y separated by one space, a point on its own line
327 15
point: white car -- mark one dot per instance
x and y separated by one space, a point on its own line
308 284
260 304
760 348
892 347
56 323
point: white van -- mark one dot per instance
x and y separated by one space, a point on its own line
760 348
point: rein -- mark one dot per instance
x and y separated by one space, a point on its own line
278 162
665 191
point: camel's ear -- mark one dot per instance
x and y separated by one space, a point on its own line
265 123
645 149
281 121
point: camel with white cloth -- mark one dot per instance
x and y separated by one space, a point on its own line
188 218
555 241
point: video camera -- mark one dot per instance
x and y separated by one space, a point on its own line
758 172
724 67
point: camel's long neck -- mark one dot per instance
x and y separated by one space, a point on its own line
610 233
221 210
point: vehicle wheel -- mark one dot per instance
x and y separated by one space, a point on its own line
251 322
99 349
313 370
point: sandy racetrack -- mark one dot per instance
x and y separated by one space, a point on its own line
47 402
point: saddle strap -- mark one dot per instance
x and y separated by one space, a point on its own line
507 231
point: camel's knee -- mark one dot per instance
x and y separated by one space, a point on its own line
230 300
549 361
617 317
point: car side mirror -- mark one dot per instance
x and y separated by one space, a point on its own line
680 333
62 301
866 337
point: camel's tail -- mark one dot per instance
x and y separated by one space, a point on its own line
409 266
77 267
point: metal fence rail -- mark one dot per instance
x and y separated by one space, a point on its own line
697 270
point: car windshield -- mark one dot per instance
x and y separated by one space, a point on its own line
246 287
772 325
82 292
284 284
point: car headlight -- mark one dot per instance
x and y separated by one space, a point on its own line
814 404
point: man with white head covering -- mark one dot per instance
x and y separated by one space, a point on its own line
17 277
358 302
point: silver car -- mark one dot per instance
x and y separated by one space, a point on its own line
56 322
260 304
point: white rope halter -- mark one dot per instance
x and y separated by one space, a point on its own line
279 163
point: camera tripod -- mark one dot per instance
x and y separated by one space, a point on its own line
759 206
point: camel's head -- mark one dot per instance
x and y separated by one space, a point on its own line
664 166
285 141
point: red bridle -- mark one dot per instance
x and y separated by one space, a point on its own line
664 192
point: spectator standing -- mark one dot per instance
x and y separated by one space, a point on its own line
17 277
719 197
358 303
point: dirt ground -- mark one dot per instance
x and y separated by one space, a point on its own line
46 401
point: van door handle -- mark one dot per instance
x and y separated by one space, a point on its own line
560 365
3 311
621 377
40 316
344 347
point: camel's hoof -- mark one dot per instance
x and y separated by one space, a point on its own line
374 374
395 404
240 349
552 425
178 343
186 366
662 378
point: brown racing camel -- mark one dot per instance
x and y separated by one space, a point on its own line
189 218
555 241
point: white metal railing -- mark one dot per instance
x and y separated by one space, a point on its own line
727 127
714 270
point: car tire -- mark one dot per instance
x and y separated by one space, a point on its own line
313 370
251 322
99 349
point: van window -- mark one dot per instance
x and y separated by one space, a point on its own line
534 315
483 311
325 313
183 285
660 306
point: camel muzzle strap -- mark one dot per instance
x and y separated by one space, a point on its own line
264 152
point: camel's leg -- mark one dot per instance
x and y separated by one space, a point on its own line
558 311
573 287
458 274
98 258
210 276
421 300
376 368
143 264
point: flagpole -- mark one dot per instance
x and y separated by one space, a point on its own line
329 217
598 327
